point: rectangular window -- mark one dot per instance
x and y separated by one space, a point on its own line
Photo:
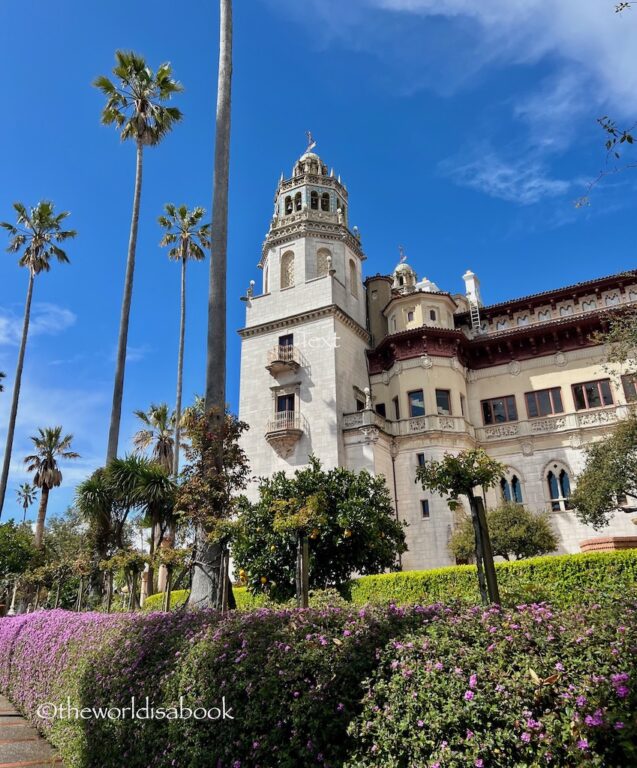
443 402
499 409
420 458
629 383
416 403
396 408
380 409
592 394
424 509
410 316
544 402
287 340
285 404
463 405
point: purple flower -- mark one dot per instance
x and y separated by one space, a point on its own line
421 723
479 763
526 737
468 695
582 744
473 681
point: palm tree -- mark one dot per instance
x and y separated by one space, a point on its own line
37 232
26 494
158 435
188 238
209 555
134 103
49 447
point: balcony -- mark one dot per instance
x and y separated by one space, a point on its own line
284 431
283 359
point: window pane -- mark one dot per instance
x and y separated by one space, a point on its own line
424 506
443 401
531 405
578 397
516 489
565 484
499 410
592 395
544 402
511 408
396 408
486 412
285 403
421 459
416 403
607 395
553 487
506 490
557 400
380 409
286 341
630 390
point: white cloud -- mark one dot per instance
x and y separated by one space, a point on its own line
520 181
46 320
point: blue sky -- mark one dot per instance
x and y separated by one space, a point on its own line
463 131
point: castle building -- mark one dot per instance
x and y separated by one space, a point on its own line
390 371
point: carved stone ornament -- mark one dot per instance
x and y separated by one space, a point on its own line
514 368
527 449
560 359
371 434
386 377
426 361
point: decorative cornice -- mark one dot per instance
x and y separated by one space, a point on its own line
304 227
516 344
304 317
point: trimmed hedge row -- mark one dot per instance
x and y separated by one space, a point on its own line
432 687
562 580
245 601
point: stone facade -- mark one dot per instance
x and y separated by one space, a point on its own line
383 373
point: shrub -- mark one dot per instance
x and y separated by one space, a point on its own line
527 687
563 580
245 601
296 681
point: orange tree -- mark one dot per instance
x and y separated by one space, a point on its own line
346 517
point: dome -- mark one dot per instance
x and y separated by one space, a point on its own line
310 162
403 268
404 276
309 156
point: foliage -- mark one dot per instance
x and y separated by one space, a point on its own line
525 687
245 601
49 446
348 517
457 475
563 580
620 339
157 434
135 101
16 549
514 530
184 232
511 685
204 489
38 231
609 475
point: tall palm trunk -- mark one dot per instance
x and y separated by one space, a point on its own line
122 342
180 367
39 526
209 556
16 392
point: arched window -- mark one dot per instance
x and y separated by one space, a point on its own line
432 314
287 269
322 262
314 200
325 201
559 485
298 201
511 488
353 278
288 205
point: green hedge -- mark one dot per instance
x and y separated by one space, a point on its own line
245 601
563 580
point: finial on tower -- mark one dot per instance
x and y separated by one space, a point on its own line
311 142
403 255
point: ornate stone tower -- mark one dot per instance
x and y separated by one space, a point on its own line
303 361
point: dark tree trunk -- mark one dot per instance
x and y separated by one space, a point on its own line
205 587
16 394
39 526
487 580
122 341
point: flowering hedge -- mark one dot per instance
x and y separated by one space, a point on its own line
562 580
296 682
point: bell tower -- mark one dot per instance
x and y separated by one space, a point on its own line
303 356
